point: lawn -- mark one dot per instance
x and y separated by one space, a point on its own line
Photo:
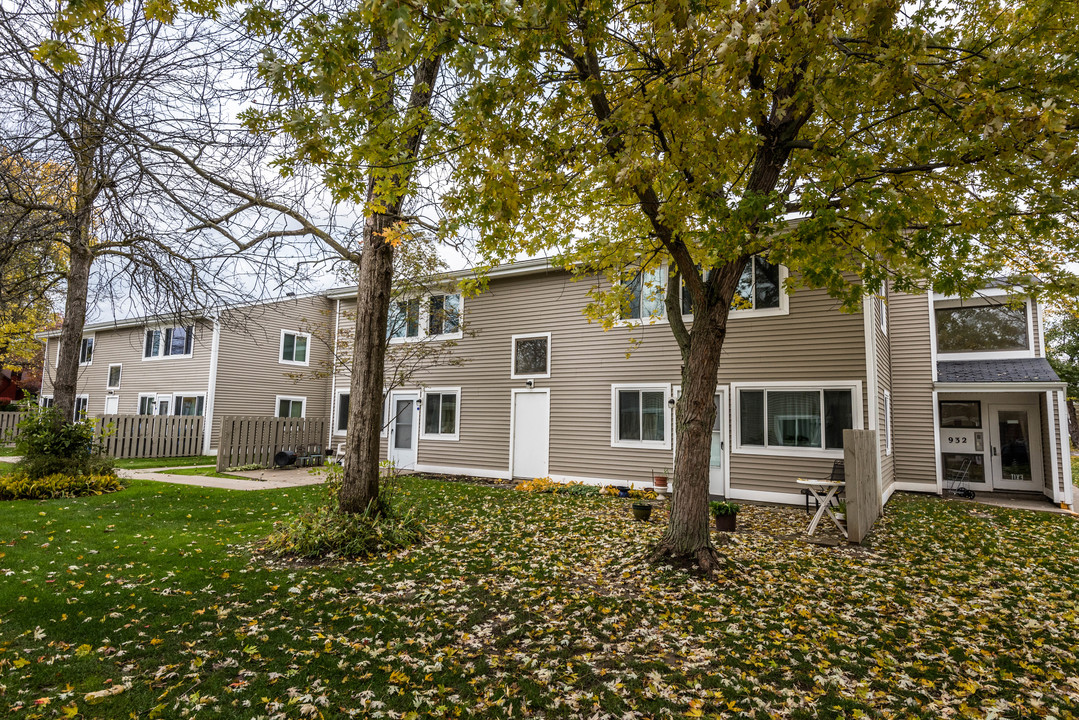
530 605
146 463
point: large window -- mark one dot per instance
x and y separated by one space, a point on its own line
86 351
441 412
188 405
811 418
640 417
169 342
147 403
404 319
531 356
290 407
647 292
294 347
444 314
982 328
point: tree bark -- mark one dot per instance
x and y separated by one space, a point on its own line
65 385
1073 424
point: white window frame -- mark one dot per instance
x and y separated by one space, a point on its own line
887 423
85 398
425 317
616 442
108 376
42 398
456 434
143 396
661 318
513 357
82 344
174 409
292 399
857 413
784 300
162 355
421 316
998 297
337 429
281 348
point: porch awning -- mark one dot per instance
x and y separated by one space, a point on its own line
1025 370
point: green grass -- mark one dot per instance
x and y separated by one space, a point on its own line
146 463
205 471
537 605
8 451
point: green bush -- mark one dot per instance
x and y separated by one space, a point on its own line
50 446
325 531
720 508
22 487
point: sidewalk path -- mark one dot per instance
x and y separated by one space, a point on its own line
274 480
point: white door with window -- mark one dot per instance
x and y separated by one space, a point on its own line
403 430
164 405
112 404
531 433
717 457
1015 447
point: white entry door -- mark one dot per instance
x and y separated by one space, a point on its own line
1015 447
531 433
717 463
164 405
112 404
403 429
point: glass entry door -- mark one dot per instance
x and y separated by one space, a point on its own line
717 463
402 440
1015 451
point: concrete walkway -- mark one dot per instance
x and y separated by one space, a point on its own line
274 479
1017 502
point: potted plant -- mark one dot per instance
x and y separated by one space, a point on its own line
659 479
623 490
841 511
642 511
725 513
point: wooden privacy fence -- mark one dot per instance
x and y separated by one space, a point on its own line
247 440
9 425
863 483
150 436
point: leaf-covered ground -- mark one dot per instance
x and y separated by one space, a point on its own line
525 605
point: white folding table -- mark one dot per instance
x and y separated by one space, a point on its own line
823 491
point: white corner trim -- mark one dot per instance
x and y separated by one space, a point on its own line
936 441
514 375
872 382
333 374
932 341
211 382
1054 455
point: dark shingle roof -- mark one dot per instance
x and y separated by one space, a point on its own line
1026 370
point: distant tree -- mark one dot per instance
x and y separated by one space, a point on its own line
1062 349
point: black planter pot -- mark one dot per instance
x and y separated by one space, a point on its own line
623 490
641 511
726 523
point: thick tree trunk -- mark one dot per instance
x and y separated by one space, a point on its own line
359 487
66 382
1073 424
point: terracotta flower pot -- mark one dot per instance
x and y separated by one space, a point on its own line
726 523
659 482
641 511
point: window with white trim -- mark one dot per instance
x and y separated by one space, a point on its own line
784 418
169 342
291 407
113 381
86 351
758 287
531 356
147 402
640 416
190 405
444 314
45 401
82 407
985 327
887 423
294 347
404 319
647 292
441 413
342 413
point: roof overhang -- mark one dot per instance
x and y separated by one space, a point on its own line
1000 387
524 267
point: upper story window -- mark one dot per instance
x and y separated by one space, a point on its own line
983 328
444 314
86 351
169 342
759 289
647 295
294 347
113 381
531 356
780 418
404 319
759 286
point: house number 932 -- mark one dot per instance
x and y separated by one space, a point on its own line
957 440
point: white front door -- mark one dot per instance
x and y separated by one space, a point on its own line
403 430
531 433
164 405
1015 447
717 463
112 404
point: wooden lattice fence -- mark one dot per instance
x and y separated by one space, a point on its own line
253 440
150 436
9 426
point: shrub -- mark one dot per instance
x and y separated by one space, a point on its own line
547 485
23 487
719 508
325 531
647 494
50 446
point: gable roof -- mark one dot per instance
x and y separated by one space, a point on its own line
1023 370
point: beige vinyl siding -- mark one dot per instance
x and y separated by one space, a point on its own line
884 384
912 389
250 375
164 375
814 342
1036 322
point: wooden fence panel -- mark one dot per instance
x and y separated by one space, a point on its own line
9 425
150 436
254 440
863 484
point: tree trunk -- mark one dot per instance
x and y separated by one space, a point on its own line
65 385
359 487
1073 424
